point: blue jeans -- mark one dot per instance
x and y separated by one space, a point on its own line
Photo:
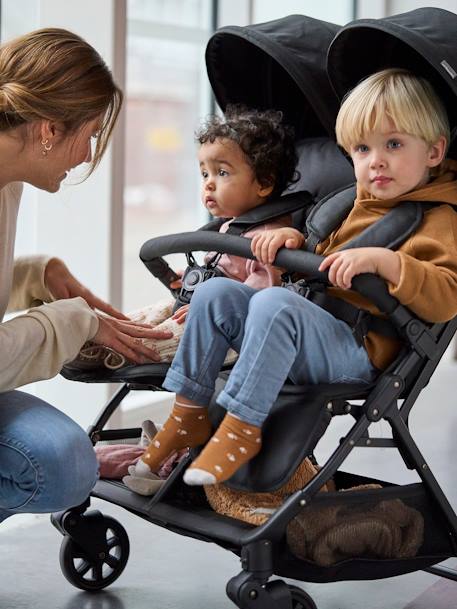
278 335
47 462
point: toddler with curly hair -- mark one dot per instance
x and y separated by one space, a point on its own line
246 158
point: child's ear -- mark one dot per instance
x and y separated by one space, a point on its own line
265 191
436 152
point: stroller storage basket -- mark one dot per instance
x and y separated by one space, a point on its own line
400 522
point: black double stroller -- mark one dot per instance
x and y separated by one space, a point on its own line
281 65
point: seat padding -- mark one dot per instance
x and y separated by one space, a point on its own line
295 424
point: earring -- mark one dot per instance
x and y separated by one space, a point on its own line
46 147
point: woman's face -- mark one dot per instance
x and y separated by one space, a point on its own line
68 151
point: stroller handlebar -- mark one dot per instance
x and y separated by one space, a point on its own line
371 286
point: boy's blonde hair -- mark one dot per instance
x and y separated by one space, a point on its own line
409 101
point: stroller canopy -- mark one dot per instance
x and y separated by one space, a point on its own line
422 41
280 64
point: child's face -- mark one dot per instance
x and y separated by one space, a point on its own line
229 186
388 163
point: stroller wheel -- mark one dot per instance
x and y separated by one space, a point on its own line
95 573
300 599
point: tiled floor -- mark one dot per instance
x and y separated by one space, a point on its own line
167 571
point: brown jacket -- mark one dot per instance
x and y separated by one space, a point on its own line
428 280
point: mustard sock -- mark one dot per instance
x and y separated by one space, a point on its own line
186 427
234 443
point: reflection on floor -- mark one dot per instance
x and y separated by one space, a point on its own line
167 571
442 595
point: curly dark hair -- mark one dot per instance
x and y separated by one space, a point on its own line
266 141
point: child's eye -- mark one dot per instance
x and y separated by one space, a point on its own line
361 148
204 174
223 172
393 144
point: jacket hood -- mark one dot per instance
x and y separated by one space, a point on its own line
279 64
422 41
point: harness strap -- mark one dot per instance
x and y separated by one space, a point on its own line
359 320
390 231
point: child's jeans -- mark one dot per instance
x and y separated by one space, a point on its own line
47 462
278 334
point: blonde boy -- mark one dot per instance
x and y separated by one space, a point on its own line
396 131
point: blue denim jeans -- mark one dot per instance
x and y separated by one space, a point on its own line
278 335
47 462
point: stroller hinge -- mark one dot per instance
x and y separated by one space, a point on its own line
421 339
257 558
416 331
384 396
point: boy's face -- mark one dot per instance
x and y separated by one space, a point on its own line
229 186
388 163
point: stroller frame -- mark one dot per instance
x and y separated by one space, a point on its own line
258 546
184 510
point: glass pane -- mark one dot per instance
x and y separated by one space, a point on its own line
167 93
191 13
327 10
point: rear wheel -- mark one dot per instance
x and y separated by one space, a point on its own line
95 573
300 599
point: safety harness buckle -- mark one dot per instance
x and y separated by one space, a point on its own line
361 326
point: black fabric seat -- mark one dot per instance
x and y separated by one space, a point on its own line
295 424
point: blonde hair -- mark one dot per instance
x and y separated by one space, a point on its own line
409 101
53 74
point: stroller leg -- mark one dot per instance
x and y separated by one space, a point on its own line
250 589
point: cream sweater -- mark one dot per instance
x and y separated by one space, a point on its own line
36 344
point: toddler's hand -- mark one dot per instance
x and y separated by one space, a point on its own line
177 284
343 266
265 245
181 314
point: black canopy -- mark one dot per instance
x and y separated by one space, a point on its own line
423 41
280 64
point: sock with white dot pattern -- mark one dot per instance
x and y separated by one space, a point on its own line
234 443
186 427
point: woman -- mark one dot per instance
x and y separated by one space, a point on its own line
56 95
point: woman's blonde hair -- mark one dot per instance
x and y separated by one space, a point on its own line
409 101
53 74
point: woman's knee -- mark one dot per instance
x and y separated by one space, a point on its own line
19 475
47 461
77 469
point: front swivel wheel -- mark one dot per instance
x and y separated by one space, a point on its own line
92 572
300 599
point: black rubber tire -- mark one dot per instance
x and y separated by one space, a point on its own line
300 599
89 574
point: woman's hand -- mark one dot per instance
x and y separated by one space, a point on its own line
265 244
343 266
181 314
125 337
62 284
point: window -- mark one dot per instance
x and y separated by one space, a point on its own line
167 92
